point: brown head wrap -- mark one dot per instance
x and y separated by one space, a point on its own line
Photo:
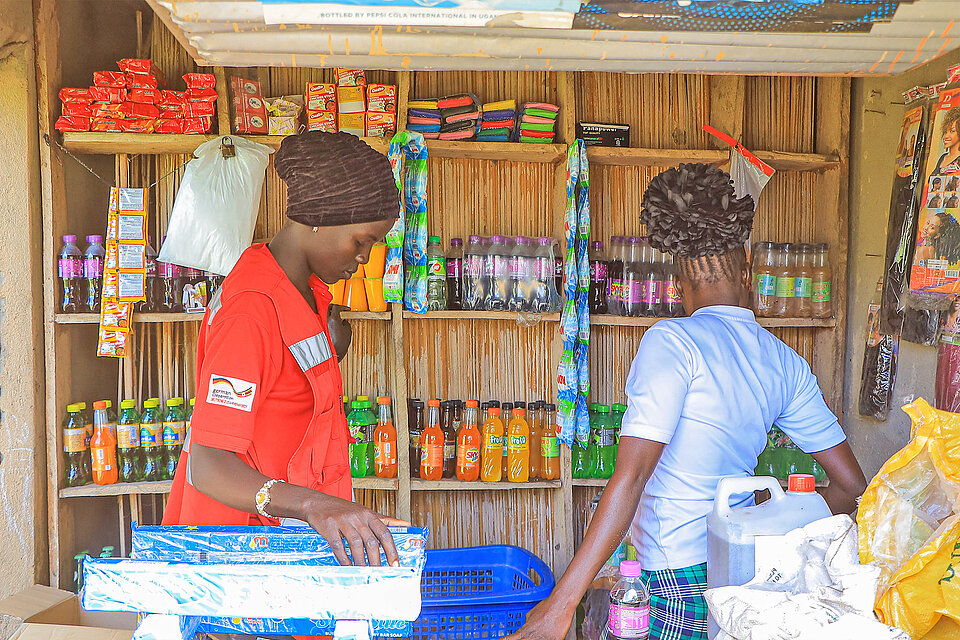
336 179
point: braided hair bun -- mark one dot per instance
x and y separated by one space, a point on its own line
691 211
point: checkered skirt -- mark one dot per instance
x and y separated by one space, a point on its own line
678 610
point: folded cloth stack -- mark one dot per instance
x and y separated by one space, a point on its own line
536 122
460 116
497 121
423 116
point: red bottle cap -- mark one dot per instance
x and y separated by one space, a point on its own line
473 404
495 411
802 483
519 413
433 403
383 400
100 404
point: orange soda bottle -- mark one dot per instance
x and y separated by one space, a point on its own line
103 446
534 443
492 449
549 445
385 441
518 448
468 445
431 445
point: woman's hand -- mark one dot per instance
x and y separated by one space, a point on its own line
546 621
341 333
339 520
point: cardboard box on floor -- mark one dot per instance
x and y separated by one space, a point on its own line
45 613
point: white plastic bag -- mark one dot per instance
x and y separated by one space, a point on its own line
216 208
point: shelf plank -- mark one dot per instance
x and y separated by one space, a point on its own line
512 316
379 484
93 318
511 151
160 143
637 157
621 321
457 485
786 161
589 482
119 489
366 315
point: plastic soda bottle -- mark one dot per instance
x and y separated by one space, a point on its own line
174 432
497 271
455 274
598 278
447 416
606 444
616 416
415 418
506 413
369 427
93 259
492 448
535 420
357 450
70 265
88 425
468 445
470 285
436 275
130 468
151 439
579 459
550 445
76 468
385 441
629 617
518 448
103 446
431 444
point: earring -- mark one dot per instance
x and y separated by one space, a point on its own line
315 229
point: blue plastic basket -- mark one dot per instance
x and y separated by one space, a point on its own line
479 593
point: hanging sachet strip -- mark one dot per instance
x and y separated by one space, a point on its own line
408 157
573 372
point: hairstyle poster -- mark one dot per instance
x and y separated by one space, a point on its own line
936 261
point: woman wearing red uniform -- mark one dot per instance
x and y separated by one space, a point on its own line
268 437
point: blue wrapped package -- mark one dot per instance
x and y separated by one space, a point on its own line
408 157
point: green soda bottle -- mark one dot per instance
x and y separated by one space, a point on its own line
369 426
130 465
76 453
357 450
174 432
606 443
616 415
151 440
593 446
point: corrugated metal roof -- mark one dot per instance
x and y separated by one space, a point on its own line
234 33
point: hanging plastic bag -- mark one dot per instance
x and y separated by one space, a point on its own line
879 373
910 528
215 212
408 157
749 173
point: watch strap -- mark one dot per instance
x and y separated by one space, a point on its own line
263 497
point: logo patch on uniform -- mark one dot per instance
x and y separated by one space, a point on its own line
231 392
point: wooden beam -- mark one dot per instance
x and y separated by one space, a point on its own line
223 102
458 485
567 101
398 373
404 80
726 107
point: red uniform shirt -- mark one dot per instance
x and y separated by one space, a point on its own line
268 389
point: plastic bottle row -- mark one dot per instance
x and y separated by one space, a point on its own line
791 280
597 457
632 279
169 288
375 449
782 457
136 447
491 442
498 273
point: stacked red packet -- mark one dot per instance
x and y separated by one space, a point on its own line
248 106
321 106
134 100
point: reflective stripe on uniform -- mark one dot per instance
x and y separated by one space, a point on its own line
214 306
186 447
312 351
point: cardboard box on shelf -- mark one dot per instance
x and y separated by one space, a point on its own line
325 121
250 123
382 98
352 123
45 613
379 124
321 96
351 77
351 100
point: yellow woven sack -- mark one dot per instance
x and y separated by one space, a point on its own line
909 523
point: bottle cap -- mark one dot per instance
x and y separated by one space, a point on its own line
433 403
128 404
362 398
109 404
456 242
472 404
519 413
507 407
602 408
99 404
193 401
630 569
497 239
82 405
801 483
151 403
621 408
434 239
473 239
596 244
73 408
633 240
69 238
175 402
551 407
544 241
346 399
494 403
356 404
520 405
494 411
383 400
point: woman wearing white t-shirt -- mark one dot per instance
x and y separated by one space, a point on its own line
703 392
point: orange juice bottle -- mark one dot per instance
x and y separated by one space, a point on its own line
103 446
534 443
549 445
492 449
431 445
518 448
468 445
385 442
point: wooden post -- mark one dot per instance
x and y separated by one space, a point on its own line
223 101
398 372
566 100
404 79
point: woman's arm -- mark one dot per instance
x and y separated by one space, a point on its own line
341 333
636 460
223 476
847 482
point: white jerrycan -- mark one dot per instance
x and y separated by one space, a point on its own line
732 533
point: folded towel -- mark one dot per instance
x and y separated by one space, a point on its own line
531 126
415 120
502 104
538 120
425 113
497 124
431 135
466 125
462 100
456 135
542 113
536 134
474 115
499 131
528 139
500 114
422 104
424 128
493 138
456 111
545 106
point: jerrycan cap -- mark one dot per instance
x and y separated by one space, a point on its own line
630 569
801 483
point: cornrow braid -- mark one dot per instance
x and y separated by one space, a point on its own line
713 268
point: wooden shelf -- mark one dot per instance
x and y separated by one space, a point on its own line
636 157
456 485
93 318
621 321
512 316
119 489
589 482
380 484
160 143
511 151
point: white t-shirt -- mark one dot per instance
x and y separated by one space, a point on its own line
710 387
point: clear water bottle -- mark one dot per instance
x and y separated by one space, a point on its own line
455 274
497 270
629 617
670 300
93 259
517 286
472 281
70 265
436 275
598 278
615 277
633 279
545 298
652 281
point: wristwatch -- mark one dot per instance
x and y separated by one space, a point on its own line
263 497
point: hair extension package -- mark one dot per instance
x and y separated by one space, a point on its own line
935 272
879 373
947 387
914 325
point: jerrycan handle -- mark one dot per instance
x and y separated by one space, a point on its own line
730 486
